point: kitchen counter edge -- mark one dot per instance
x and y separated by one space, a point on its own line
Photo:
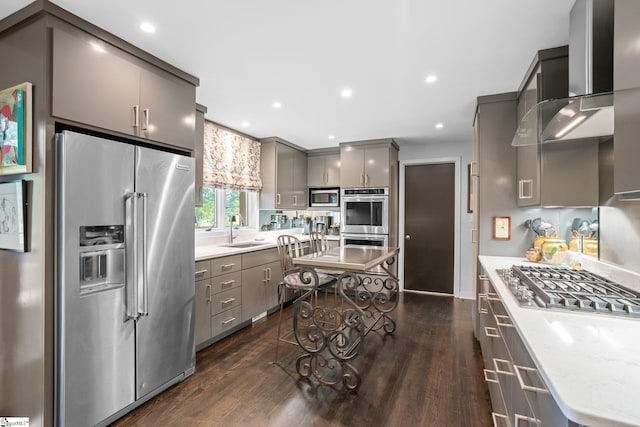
570 350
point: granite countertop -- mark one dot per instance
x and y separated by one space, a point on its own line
217 250
590 362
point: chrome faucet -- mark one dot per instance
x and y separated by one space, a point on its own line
234 218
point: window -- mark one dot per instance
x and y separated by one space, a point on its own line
216 215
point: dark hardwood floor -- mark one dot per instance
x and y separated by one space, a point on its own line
428 373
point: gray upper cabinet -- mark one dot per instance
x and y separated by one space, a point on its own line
323 170
626 83
364 165
135 97
528 156
563 173
626 55
167 112
283 170
198 151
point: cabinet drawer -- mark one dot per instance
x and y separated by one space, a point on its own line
265 256
225 265
203 269
224 321
226 281
226 300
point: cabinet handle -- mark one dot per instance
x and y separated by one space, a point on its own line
229 320
522 421
227 283
502 366
201 273
500 320
326 177
227 301
525 189
295 200
269 274
492 296
227 266
136 118
145 124
366 179
496 417
264 275
361 179
490 376
322 179
527 387
278 199
208 293
480 309
491 332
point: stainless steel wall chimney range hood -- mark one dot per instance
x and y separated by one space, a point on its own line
588 111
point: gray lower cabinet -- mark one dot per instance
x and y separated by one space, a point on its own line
231 290
203 301
260 282
218 297
134 97
519 395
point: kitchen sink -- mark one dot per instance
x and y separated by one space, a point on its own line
245 244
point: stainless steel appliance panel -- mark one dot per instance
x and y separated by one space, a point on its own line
324 197
365 213
364 239
165 335
95 342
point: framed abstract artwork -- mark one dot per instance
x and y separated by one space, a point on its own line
13 215
15 129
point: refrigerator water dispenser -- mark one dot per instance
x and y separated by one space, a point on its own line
101 258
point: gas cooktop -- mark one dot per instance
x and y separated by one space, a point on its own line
577 290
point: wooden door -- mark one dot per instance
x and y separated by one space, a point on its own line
429 227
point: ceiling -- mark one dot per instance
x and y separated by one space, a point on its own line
249 54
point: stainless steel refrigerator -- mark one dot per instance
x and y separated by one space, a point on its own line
124 279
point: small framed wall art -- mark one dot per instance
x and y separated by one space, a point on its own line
13 215
15 129
502 228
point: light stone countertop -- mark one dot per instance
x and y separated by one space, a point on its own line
349 257
217 248
590 362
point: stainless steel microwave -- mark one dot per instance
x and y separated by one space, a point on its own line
324 197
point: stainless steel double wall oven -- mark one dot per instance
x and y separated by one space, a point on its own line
365 216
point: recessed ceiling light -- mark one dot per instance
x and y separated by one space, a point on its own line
246 124
277 105
147 27
439 126
332 137
431 78
346 93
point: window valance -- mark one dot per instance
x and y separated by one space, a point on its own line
231 161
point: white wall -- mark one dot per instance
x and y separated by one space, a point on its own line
462 150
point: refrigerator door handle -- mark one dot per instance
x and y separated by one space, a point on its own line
130 208
144 310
